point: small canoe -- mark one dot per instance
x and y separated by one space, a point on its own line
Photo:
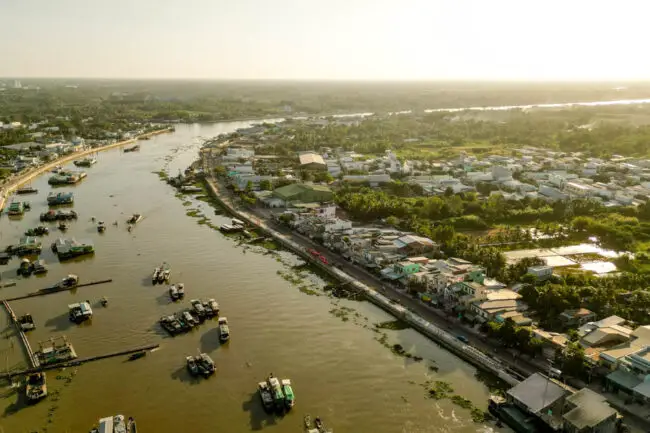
137 355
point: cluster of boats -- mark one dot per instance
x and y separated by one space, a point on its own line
28 267
115 424
161 274
37 231
187 320
276 394
59 215
177 291
200 365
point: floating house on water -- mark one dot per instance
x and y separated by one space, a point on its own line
16 208
57 198
69 248
66 177
27 245
54 351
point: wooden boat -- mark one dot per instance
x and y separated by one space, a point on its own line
137 355
26 190
134 219
36 387
224 330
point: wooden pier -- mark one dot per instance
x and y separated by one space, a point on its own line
49 291
77 362
33 360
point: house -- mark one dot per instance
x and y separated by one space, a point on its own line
311 161
372 179
400 270
631 376
411 244
540 397
541 272
605 333
579 317
587 411
304 193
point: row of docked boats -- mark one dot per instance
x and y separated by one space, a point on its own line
59 215
37 231
200 365
161 274
276 394
187 320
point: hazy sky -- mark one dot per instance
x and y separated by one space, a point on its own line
326 39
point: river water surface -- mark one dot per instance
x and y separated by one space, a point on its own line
326 346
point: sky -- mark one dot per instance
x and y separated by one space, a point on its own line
326 39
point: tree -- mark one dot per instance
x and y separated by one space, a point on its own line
266 185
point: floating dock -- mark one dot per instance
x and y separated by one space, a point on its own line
77 362
33 359
49 291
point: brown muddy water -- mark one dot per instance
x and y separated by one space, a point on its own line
280 322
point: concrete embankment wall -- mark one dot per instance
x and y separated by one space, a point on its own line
23 179
450 342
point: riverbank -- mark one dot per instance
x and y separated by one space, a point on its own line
425 327
31 174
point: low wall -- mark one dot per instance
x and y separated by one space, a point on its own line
445 339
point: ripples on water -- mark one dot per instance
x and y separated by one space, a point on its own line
340 372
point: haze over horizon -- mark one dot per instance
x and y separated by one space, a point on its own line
325 40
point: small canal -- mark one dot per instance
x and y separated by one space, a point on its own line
341 364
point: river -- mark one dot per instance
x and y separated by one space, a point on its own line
328 347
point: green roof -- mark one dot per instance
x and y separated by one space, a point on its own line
298 191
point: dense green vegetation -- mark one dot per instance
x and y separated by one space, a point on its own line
111 103
626 295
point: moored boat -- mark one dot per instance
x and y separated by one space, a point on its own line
137 355
80 312
25 268
16 208
224 330
206 364
134 219
276 392
39 267
173 292
26 190
154 277
180 288
59 198
197 307
132 149
69 248
26 322
211 307
36 387
101 227
37 231
289 397
192 365
131 426
86 162
265 395
164 273
63 226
